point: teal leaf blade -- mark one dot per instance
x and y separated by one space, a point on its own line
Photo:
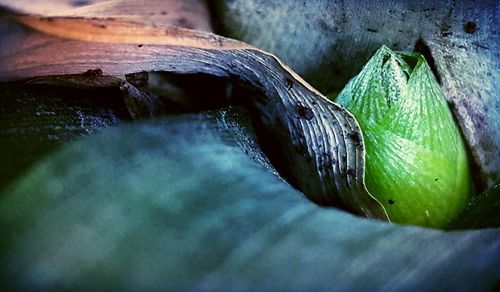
178 203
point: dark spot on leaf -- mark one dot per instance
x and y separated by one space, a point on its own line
343 18
355 137
445 31
470 27
137 79
449 58
436 179
183 22
371 30
305 112
322 23
93 73
81 2
391 202
99 25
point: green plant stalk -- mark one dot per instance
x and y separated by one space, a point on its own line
416 162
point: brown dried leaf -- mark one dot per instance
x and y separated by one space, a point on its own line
182 13
319 141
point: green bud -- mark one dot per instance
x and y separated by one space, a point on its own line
416 162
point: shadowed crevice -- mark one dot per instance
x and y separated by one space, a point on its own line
422 48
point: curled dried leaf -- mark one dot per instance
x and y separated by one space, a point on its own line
319 141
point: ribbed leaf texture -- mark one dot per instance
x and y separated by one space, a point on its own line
416 162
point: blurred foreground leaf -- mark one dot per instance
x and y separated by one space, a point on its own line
190 202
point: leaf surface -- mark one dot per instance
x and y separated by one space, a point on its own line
178 203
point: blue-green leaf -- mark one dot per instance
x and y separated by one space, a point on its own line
179 203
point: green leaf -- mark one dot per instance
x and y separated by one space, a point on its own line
189 202
416 162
